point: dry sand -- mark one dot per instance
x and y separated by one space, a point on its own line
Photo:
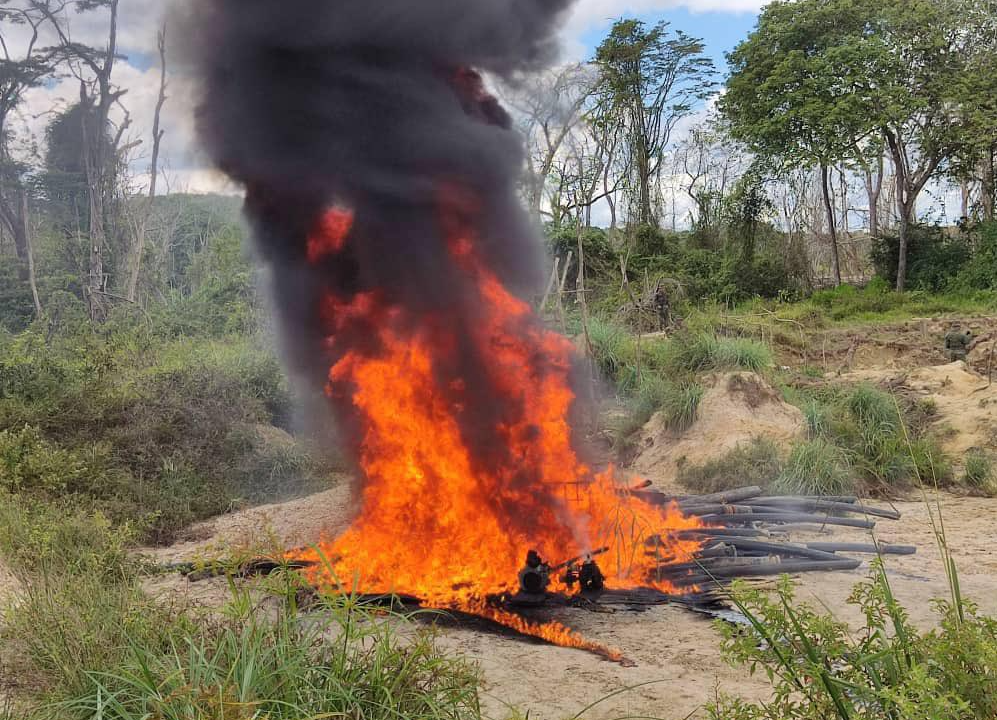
736 408
675 651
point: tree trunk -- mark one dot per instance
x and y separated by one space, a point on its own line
157 137
829 208
645 213
844 200
904 239
15 222
31 255
989 181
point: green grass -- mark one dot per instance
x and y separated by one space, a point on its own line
816 467
886 441
704 352
339 659
755 463
820 669
979 472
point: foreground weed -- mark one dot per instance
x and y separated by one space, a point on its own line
343 659
887 670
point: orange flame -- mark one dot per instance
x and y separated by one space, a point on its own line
329 235
439 521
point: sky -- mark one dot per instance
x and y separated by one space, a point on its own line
720 23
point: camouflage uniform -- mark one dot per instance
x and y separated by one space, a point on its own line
957 344
663 308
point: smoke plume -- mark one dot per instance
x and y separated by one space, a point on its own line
376 106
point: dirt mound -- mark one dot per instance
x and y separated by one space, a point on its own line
965 402
736 409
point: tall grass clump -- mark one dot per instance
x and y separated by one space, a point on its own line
816 467
342 659
978 474
885 439
680 406
755 463
612 346
703 352
677 401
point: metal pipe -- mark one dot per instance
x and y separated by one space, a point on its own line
784 568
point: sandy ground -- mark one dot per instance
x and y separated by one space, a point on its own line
677 665
675 651
736 408
965 401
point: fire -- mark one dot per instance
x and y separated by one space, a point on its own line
449 507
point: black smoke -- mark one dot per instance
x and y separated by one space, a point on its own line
372 104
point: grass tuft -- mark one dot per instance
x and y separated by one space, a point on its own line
979 472
816 467
754 463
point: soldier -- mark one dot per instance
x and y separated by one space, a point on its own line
663 308
957 343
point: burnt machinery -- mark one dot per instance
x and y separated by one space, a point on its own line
536 576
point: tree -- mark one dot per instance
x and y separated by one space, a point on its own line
19 72
649 80
912 88
141 220
93 68
794 90
976 89
549 108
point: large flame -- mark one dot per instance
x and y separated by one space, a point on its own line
442 518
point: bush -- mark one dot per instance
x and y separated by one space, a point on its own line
888 669
152 434
755 463
42 536
816 467
934 258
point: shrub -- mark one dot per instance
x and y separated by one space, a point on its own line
816 467
61 537
755 463
888 669
934 258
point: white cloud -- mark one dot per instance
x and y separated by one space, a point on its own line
588 15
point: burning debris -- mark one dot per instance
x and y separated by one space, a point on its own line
381 185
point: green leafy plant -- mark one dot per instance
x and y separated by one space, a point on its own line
888 670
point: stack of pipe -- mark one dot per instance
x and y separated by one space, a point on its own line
745 536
